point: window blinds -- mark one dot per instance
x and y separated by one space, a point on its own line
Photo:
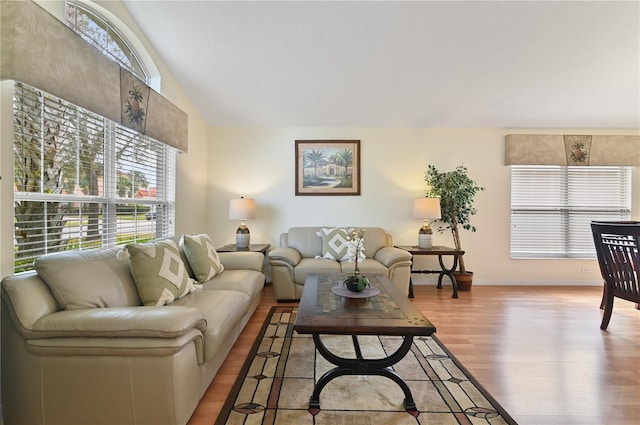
552 208
83 181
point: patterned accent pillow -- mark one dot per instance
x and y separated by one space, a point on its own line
334 244
202 256
159 273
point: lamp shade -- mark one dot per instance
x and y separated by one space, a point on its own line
426 208
242 209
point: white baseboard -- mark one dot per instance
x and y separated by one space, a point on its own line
421 279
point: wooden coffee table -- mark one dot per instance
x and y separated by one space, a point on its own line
388 313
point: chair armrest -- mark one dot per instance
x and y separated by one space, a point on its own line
246 260
286 254
125 322
391 255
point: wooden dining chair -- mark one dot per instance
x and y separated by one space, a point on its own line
618 249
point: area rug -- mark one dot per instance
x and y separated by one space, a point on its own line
278 377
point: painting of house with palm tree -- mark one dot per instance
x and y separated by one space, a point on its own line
327 167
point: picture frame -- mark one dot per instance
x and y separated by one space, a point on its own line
327 167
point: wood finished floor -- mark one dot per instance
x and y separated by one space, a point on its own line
538 350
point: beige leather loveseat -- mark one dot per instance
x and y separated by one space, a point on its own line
79 348
304 250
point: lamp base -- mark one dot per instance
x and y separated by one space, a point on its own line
425 237
425 241
243 237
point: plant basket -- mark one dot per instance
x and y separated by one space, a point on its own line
465 280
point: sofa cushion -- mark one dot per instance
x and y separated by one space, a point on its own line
314 265
223 310
159 273
201 256
249 282
335 244
367 267
86 279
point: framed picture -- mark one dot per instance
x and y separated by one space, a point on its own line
327 167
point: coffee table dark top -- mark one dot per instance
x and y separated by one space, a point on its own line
388 313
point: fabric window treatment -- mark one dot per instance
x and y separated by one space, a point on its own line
572 149
38 49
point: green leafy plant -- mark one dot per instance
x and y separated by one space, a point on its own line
457 192
356 283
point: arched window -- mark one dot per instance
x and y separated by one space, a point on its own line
102 34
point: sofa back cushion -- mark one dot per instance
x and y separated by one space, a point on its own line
307 242
375 239
85 279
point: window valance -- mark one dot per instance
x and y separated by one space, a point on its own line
558 149
41 51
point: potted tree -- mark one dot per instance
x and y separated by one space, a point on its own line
456 191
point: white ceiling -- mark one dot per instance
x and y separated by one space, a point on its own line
518 64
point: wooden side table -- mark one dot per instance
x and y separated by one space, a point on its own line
440 251
253 248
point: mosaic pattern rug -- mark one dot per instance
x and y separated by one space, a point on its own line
278 377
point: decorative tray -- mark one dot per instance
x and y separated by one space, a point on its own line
344 292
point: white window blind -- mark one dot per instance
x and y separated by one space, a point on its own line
552 208
83 181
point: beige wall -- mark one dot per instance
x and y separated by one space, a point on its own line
259 162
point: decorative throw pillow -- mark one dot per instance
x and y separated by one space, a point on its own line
335 244
202 256
159 273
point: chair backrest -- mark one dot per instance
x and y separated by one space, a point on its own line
618 249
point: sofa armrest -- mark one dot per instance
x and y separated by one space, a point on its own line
391 255
126 347
125 322
247 260
288 255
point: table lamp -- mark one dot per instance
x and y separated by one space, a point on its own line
242 209
426 209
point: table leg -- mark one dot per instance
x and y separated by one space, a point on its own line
361 366
448 272
410 287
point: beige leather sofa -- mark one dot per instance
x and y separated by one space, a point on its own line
301 249
116 361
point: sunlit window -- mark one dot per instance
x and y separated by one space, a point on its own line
82 181
100 33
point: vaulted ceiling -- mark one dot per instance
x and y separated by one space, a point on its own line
505 64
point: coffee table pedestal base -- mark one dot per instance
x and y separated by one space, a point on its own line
362 366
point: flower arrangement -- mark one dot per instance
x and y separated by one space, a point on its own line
355 252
